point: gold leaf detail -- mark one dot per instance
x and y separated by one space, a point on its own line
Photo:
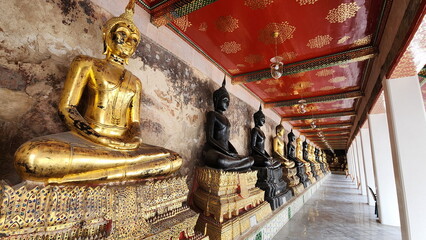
343 12
304 2
183 23
203 27
284 29
288 56
230 47
253 58
343 39
300 86
319 41
271 90
344 66
337 105
297 75
227 24
325 72
234 71
363 41
326 88
257 4
240 65
275 82
337 79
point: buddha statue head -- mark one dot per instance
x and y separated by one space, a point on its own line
291 136
121 36
279 130
221 98
259 117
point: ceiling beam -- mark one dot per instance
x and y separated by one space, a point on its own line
319 99
338 125
329 132
318 116
167 11
349 56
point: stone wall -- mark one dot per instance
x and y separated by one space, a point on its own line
39 39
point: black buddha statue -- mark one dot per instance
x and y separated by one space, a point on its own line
291 154
218 152
317 158
269 172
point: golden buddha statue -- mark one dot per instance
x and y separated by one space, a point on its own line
279 145
100 104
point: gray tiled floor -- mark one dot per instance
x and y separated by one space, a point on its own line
337 212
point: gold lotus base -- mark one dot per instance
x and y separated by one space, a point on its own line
154 209
235 226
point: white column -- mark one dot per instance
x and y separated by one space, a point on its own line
361 165
350 162
356 164
368 164
407 128
383 169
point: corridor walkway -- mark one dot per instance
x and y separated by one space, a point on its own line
337 212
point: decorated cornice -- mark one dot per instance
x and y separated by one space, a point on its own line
340 125
319 99
354 55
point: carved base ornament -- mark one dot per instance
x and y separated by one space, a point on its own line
132 210
229 201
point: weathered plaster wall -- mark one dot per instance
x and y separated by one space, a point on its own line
38 40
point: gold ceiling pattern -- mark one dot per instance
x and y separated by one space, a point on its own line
203 27
258 4
253 58
305 2
230 47
285 30
327 88
337 79
325 72
227 24
288 56
343 12
319 41
183 23
343 39
362 41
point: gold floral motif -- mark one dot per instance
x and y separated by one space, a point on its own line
300 86
270 90
257 4
226 23
337 79
319 41
288 56
297 75
203 27
325 72
344 66
282 94
275 82
253 58
305 2
230 47
285 30
343 39
343 12
234 71
240 65
362 41
326 88
183 23
337 105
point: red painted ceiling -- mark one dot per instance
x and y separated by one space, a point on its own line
237 36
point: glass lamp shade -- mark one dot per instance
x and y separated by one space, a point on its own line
276 67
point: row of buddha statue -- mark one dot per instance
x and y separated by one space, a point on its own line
100 104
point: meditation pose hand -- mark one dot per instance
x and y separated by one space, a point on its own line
218 152
100 103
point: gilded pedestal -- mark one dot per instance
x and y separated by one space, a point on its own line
130 210
230 202
292 177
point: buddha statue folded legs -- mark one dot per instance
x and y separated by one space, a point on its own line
269 172
100 103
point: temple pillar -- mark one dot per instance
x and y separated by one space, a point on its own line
383 170
361 165
407 129
368 164
356 164
349 159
